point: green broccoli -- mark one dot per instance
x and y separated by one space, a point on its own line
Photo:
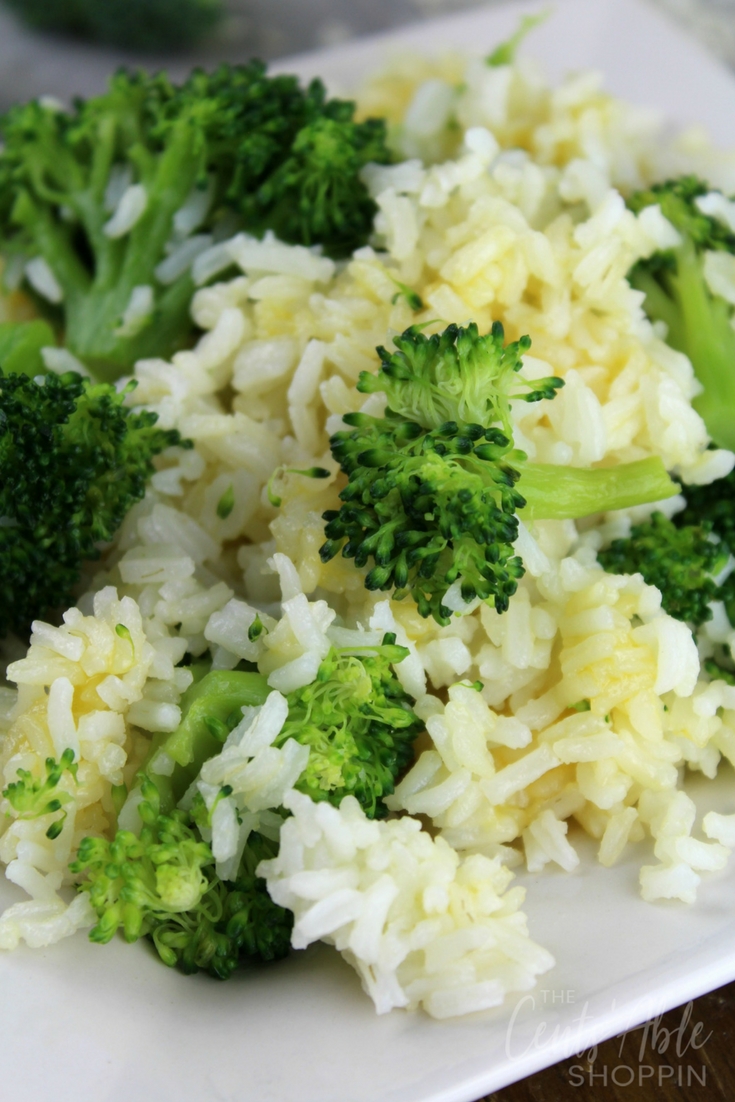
21 345
505 53
434 486
677 293
713 504
355 717
104 208
163 884
73 459
683 558
31 798
681 561
357 721
210 708
161 25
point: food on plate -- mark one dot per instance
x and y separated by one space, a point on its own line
349 662
690 286
75 458
207 806
161 882
434 486
113 212
682 562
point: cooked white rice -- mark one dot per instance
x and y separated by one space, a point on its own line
507 208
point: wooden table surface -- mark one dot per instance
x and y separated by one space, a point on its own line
687 1055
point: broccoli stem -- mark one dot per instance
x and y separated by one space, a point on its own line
659 306
21 343
566 493
95 303
709 341
122 265
215 697
698 325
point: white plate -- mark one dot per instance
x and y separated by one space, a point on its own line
90 1024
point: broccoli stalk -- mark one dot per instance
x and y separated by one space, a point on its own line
73 459
211 707
105 208
163 884
129 24
21 347
355 718
681 561
677 293
434 486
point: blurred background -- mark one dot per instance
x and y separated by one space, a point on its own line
36 60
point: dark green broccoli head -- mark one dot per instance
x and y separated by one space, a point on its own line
163 885
713 504
292 156
316 195
357 721
160 25
434 486
73 459
432 495
104 208
680 561
677 293
428 508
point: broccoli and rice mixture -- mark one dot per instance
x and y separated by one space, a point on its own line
422 567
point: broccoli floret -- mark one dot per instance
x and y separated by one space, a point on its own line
680 561
73 459
434 486
355 718
677 293
713 504
163 884
32 797
357 721
104 208
162 25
